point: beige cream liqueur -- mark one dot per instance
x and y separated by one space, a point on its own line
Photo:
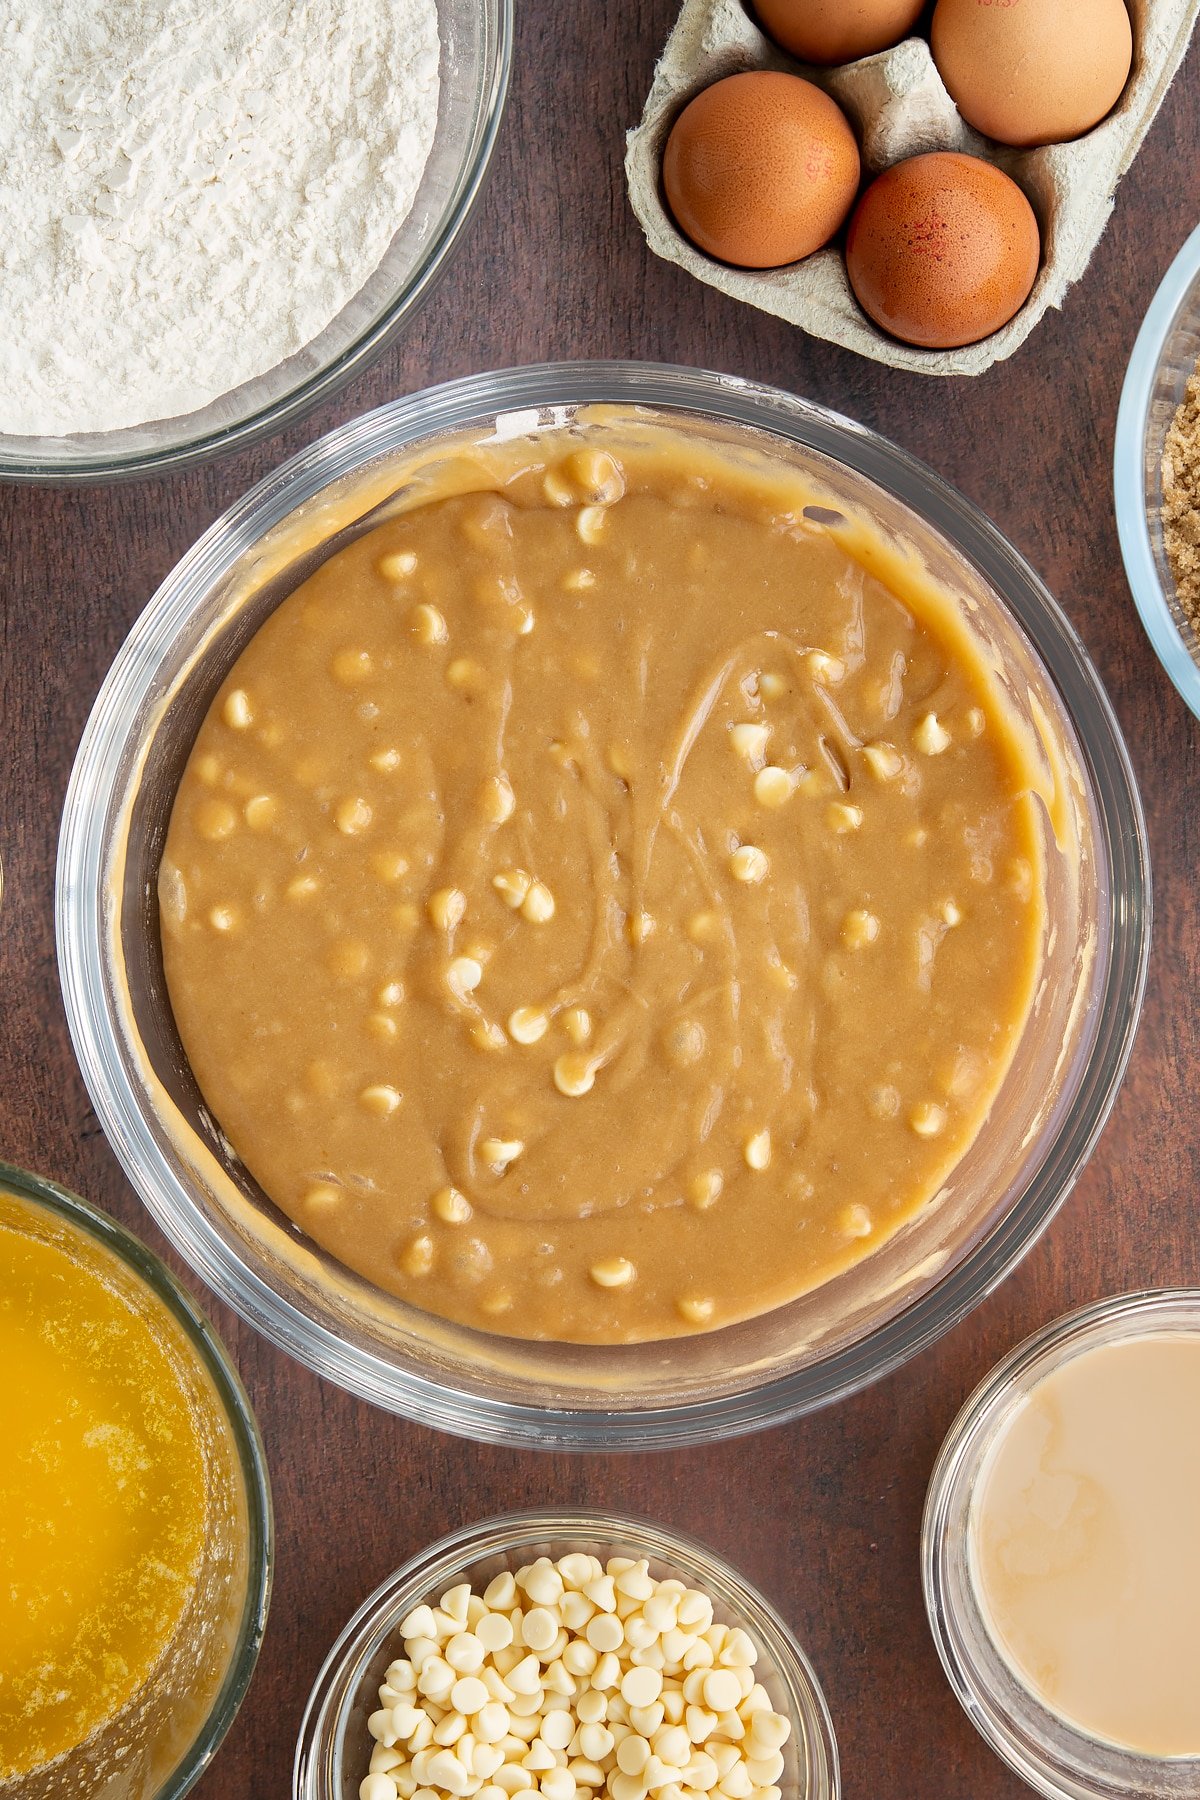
1085 1543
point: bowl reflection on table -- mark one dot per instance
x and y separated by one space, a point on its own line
824 1344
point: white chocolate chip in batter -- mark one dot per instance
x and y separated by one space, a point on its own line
463 976
749 864
451 1207
237 711
428 625
884 760
500 1153
512 885
398 565
859 928
574 1075
749 741
446 908
416 1258
930 736
350 668
527 1024
538 904
773 786
757 1150
497 802
841 817
612 1272
927 1119
704 1190
381 1100
694 1312
854 1221
352 815
577 1023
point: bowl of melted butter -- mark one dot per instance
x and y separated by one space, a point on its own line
602 904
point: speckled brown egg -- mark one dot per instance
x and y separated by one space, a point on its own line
760 169
837 31
942 250
1033 71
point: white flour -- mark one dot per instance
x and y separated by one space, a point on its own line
189 193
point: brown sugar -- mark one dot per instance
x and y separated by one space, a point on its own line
1181 500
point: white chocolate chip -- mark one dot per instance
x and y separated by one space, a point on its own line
398 565
527 1024
930 736
237 711
497 802
750 742
428 625
499 1153
927 1119
859 928
773 786
451 1207
446 908
612 1272
381 1100
884 761
757 1150
574 1075
538 904
463 976
749 864
841 816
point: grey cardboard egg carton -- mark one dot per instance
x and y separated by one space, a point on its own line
899 107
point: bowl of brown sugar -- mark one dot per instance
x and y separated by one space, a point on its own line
1156 469
602 904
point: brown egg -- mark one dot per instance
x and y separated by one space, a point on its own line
942 250
1033 71
761 169
837 31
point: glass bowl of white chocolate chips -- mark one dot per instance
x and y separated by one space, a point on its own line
704 1378
593 1655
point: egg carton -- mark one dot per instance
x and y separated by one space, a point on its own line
899 107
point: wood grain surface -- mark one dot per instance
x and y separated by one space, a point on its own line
823 1514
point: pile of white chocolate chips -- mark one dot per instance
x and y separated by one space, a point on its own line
572 1679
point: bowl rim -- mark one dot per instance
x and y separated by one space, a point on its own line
252 1459
1140 1312
1129 491
531 392
107 465
453 1553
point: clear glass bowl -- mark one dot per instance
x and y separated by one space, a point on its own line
1164 356
1055 1758
144 1752
476 54
690 1389
334 1746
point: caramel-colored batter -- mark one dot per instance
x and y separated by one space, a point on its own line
596 907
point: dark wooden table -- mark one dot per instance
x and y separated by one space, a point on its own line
824 1514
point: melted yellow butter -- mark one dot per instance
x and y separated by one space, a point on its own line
102 1488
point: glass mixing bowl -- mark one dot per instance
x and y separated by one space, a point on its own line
690 1389
166 1735
1055 1757
476 54
334 1746
1164 356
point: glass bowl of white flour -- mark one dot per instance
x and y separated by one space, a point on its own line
213 217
